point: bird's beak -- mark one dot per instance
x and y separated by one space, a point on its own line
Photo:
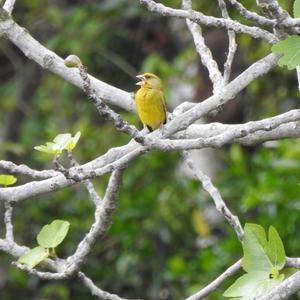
142 79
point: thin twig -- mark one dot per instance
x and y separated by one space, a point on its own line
9 6
284 21
92 192
217 282
271 8
95 291
210 21
103 216
216 196
9 235
293 262
42 275
252 16
203 51
232 45
106 112
12 248
12 168
87 183
298 77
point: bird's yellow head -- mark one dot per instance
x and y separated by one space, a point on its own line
150 81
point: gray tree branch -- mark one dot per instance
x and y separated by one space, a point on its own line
209 21
252 16
216 196
9 6
203 51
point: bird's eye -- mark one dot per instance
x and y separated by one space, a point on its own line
147 76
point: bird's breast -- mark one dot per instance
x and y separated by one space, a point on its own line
150 107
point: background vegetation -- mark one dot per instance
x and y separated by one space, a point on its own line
165 241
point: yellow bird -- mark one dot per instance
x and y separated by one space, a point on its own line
150 101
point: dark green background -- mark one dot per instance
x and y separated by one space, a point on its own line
152 249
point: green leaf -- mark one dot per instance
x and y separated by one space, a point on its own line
261 254
290 48
255 247
252 285
34 257
49 148
262 261
276 251
7 179
53 234
62 139
61 142
296 9
73 141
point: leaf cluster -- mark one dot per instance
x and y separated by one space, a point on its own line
61 142
50 236
262 260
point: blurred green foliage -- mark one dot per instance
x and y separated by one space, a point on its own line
152 249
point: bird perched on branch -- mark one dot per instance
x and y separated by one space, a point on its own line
150 101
